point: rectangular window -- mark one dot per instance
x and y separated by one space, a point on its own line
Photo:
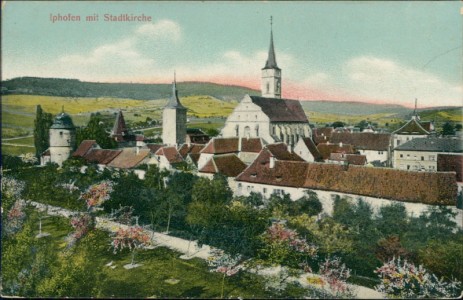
265 190
432 157
401 155
422 157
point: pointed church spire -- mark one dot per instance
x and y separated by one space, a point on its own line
271 60
174 101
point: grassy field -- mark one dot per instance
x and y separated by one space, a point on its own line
441 115
381 119
17 150
158 265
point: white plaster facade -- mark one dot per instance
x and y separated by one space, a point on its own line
415 160
304 152
173 126
376 155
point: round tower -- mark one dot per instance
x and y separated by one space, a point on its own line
62 138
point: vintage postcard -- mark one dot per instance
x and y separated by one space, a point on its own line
231 149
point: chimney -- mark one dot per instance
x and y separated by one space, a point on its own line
137 149
272 162
239 144
340 144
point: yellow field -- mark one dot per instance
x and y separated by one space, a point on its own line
381 119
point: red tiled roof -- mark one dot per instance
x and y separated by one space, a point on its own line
171 154
129 158
46 152
425 187
363 140
412 127
186 149
221 146
284 173
326 149
251 145
356 159
281 110
194 158
139 138
312 148
101 156
451 163
154 147
84 147
280 152
227 164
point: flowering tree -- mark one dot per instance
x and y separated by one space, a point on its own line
29 158
97 194
131 238
404 280
336 275
224 263
15 217
81 223
285 245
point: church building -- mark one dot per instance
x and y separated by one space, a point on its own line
269 116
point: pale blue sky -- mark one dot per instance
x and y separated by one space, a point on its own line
364 51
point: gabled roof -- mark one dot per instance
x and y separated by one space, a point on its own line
412 127
170 153
312 148
363 140
322 134
326 149
221 146
194 158
281 110
451 163
101 156
251 145
356 159
129 158
427 125
280 152
284 173
432 145
186 149
46 152
426 187
154 147
227 164
84 147
119 128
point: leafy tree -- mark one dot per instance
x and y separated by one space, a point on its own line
458 127
337 124
362 125
390 247
445 259
155 177
392 219
42 124
309 205
448 129
95 130
279 205
75 273
254 199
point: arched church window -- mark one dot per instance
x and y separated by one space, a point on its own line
257 130
268 87
237 130
247 131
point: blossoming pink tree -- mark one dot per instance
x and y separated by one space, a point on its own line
402 279
15 217
97 194
132 238
224 263
336 274
285 246
81 223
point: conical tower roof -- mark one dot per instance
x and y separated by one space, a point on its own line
119 127
271 60
174 101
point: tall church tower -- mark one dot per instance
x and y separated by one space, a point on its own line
271 74
174 120
62 138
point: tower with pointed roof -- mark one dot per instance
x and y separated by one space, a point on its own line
119 131
62 138
271 74
174 120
